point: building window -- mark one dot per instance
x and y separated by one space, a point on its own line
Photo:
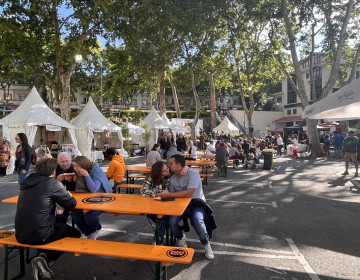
307 75
85 100
133 102
291 94
289 112
144 103
288 124
294 111
279 100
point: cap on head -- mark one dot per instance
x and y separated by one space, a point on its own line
351 131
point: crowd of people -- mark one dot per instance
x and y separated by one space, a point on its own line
45 195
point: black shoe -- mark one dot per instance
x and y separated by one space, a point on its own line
356 174
40 264
345 173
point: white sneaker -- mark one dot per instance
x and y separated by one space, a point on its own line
93 235
209 254
41 268
182 242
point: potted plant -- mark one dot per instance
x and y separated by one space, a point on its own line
126 140
146 137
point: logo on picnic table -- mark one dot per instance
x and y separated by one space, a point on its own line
5 234
177 253
99 199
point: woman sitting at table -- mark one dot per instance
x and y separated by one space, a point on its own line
157 181
96 181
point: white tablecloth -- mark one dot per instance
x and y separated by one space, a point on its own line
299 148
96 156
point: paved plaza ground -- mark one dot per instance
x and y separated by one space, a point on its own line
298 221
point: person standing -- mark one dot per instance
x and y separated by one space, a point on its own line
327 145
23 157
279 143
189 185
350 145
181 143
164 145
338 142
36 221
116 170
153 156
4 157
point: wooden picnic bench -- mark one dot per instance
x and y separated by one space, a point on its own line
160 254
129 187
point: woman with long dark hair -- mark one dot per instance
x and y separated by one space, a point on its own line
23 157
157 181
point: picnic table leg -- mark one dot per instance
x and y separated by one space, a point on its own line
6 262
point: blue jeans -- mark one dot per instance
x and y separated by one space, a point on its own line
22 177
87 222
337 151
197 221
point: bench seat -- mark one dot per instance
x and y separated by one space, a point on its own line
162 254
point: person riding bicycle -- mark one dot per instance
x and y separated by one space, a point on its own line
221 158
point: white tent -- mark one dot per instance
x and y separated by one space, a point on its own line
91 120
181 125
154 122
343 104
227 127
134 129
32 113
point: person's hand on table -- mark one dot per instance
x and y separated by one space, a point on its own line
164 193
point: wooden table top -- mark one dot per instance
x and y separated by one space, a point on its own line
130 204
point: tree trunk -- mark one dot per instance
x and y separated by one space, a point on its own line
65 102
314 137
174 94
162 95
197 103
212 100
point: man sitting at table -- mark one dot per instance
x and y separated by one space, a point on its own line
65 166
35 219
172 151
116 169
188 185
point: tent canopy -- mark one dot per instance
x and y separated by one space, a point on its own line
134 129
31 113
91 120
341 105
153 120
227 127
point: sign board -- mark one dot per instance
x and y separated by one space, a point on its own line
53 128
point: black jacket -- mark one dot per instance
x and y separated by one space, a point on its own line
221 155
181 144
35 214
23 160
209 219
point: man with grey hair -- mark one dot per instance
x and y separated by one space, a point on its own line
172 151
64 170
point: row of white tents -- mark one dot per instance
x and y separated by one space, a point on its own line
33 113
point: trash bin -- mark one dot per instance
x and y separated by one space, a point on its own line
268 160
